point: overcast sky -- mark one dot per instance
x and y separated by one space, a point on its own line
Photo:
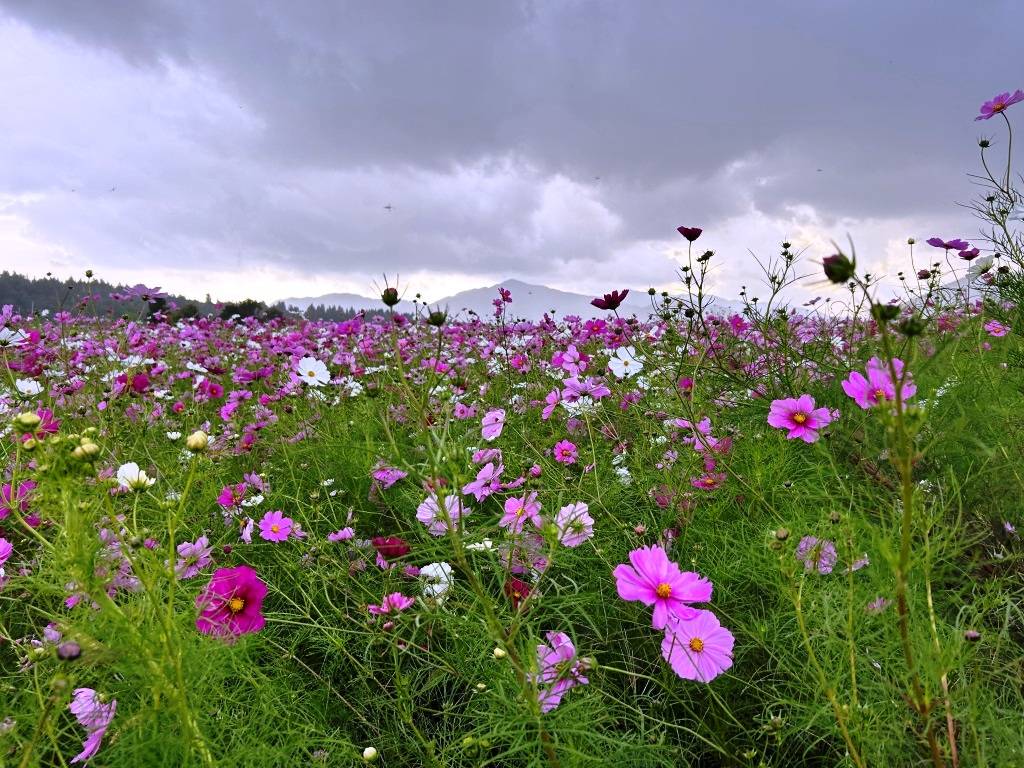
251 148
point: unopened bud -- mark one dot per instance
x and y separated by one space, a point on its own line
838 268
197 441
370 755
27 422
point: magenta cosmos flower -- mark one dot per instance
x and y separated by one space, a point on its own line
653 579
520 509
492 424
999 103
565 452
611 301
232 602
878 386
275 526
799 416
698 648
396 602
948 245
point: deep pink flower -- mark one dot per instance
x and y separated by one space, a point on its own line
690 233
488 480
653 579
999 104
231 495
232 602
565 452
390 546
799 416
697 648
611 301
396 602
275 526
517 591
19 495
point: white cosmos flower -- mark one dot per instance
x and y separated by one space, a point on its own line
28 387
173 435
313 372
10 337
979 268
438 577
624 363
131 477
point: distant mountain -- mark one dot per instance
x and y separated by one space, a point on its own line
529 301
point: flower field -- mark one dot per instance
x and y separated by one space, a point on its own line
781 537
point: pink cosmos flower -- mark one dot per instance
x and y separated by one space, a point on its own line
698 648
231 495
995 328
519 510
559 669
93 714
193 557
388 476
6 549
275 526
653 579
998 104
878 386
439 521
817 555
343 535
19 496
565 452
799 416
488 480
575 525
492 424
552 399
232 602
396 602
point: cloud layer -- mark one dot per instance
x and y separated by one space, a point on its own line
273 149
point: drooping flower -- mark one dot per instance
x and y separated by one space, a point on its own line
232 602
313 372
575 525
799 416
653 579
520 509
492 424
439 521
999 104
275 526
396 602
820 556
559 670
193 557
611 301
699 647
94 714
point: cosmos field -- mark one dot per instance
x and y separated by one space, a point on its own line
786 536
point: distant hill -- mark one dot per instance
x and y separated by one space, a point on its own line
529 301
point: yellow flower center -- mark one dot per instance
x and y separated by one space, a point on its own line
236 604
311 373
879 395
998 107
800 418
663 590
696 644
275 528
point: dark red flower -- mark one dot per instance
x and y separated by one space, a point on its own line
516 591
611 300
690 233
390 547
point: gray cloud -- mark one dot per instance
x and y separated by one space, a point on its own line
546 140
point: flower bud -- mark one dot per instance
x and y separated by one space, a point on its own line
390 296
27 422
499 653
197 441
370 755
69 651
437 318
838 268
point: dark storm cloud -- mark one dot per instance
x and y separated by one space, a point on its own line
586 127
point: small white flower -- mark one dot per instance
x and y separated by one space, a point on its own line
313 372
438 577
481 546
624 363
174 435
131 477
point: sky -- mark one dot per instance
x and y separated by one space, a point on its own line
245 148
